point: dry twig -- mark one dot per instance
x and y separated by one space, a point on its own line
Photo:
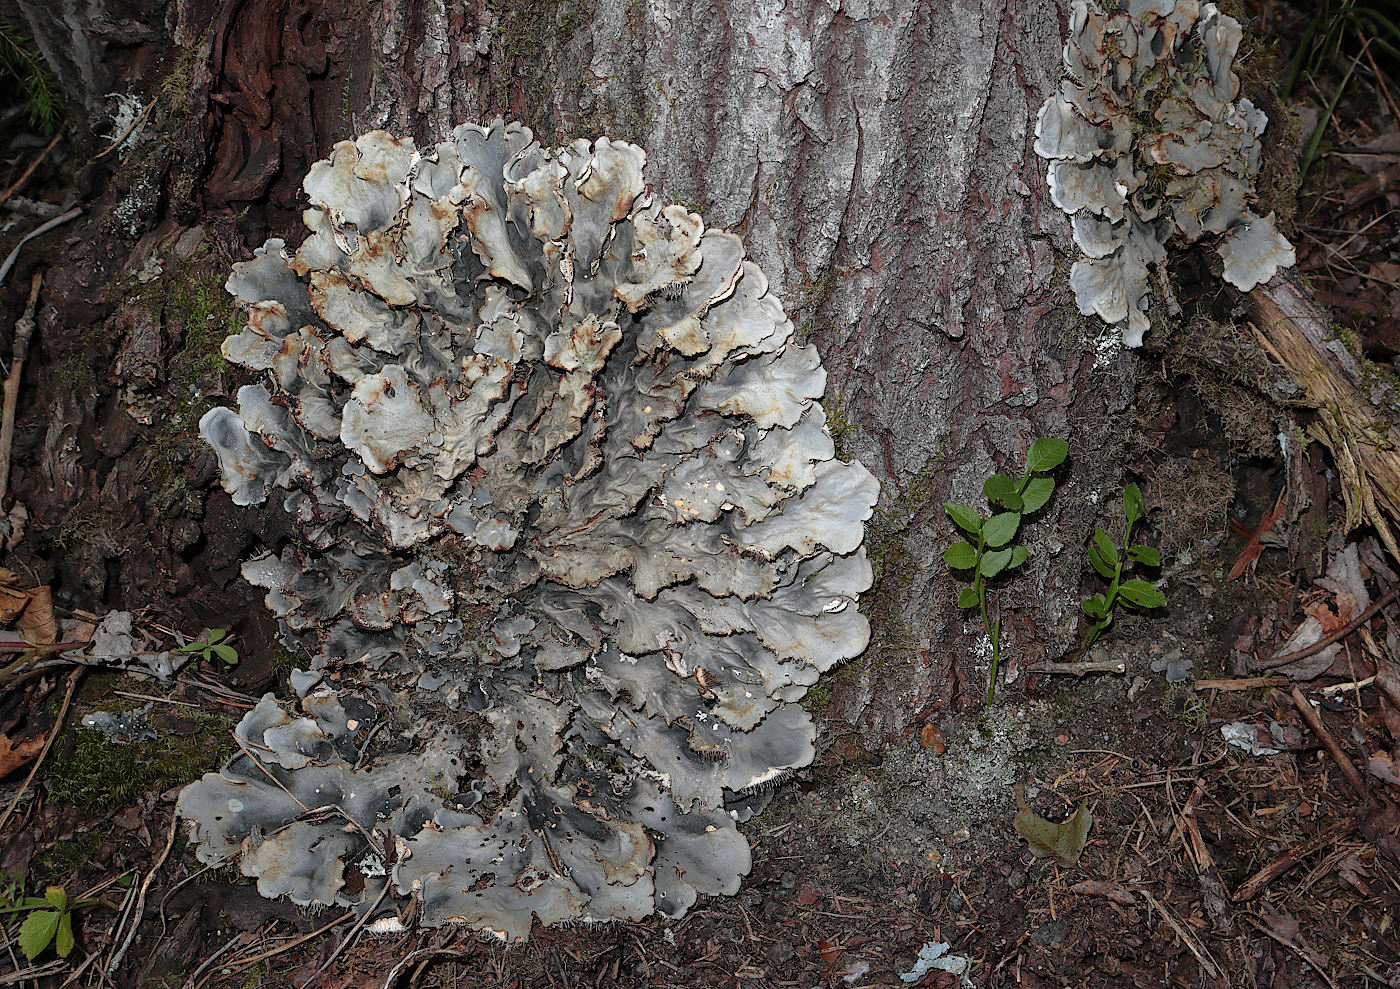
1314 721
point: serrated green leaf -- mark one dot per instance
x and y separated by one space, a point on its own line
1106 547
1019 555
966 518
994 562
56 898
1142 594
967 598
63 941
1001 529
227 653
37 932
1046 454
998 486
1095 606
1037 493
1100 564
1133 506
960 556
1146 555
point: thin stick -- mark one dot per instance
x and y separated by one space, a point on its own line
345 941
1264 929
57 727
239 964
1186 938
43 228
1255 884
135 122
24 329
141 898
1314 721
1079 669
17 183
1336 636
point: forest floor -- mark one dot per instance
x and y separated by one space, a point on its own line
1242 828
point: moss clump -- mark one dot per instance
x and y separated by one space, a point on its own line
98 774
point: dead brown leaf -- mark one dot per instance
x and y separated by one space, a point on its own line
14 755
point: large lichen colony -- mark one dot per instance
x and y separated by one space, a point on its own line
1148 143
572 541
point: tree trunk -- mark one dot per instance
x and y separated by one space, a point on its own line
875 156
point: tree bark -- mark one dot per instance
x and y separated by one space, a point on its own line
874 155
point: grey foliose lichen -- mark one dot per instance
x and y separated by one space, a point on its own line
573 541
1149 143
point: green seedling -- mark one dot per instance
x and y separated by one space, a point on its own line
1110 562
215 645
50 920
991 548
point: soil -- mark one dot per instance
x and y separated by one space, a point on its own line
1205 865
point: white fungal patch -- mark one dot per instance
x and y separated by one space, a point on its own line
499 381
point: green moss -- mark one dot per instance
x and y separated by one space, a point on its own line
97 774
818 699
526 33
57 863
839 424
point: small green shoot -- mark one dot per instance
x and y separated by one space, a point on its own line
990 549
1109 562
215 645
50 920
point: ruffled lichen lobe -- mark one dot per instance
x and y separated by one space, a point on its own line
1150 144
573 540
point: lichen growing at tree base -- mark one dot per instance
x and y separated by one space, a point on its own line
574 543
1149 143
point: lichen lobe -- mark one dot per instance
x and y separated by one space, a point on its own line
1150 143
573 542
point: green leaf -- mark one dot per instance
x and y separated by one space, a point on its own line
227 653
960 556
1095 606
1106 547
1065 841
998 486
967 518
1001 529
1037 493
56 898
994 562
1100 564
37 931
1019 555
1046 454
190 647
63 942
1142 594
1011 502
217 635
1146 555
1133 506
967 598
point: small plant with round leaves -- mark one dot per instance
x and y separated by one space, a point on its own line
990 548
1110 561
214 645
